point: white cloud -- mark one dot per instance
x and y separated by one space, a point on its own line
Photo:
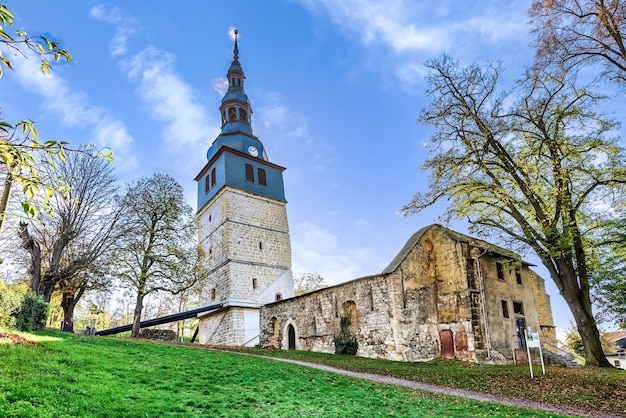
402 34
318 251
74 109
406 25
169 100
125 27
220 85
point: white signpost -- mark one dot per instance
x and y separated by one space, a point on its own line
532 340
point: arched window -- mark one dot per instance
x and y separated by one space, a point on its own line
278 297
243 114
213 294
232 114
275 326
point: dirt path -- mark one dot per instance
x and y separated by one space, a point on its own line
504 400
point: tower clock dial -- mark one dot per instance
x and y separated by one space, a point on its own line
253 151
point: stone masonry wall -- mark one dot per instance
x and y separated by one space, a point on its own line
432 292
246 240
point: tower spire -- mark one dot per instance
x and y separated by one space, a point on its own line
236 48
236 113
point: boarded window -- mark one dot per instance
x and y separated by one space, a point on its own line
505 308
518 308
275 326
500 271
249 173
262 178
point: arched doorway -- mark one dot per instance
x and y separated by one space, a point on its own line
291 337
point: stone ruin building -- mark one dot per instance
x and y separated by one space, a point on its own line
444 295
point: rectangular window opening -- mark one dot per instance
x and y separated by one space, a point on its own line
518 276
518 308
213 177
262 177
254 283
249 173
207 186
505 308
500 271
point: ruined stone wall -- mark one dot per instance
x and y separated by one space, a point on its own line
530 295
316 317
426 304
436 297
547 330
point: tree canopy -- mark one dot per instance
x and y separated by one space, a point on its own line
534 164
573 33
159 250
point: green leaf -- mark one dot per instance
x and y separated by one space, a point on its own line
30 209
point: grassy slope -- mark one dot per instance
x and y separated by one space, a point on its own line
69 375
589 389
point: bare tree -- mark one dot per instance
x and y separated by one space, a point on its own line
159 251
308 282
571 33
532 169
67 249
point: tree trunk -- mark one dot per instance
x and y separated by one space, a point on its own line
580 306
68 304
6 195
137 315
32 246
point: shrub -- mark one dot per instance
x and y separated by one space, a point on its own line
32 314
11 297
345 343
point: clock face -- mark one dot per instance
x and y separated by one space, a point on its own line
253 151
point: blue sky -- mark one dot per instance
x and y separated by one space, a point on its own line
335 85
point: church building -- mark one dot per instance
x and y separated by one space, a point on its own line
444 295
243 224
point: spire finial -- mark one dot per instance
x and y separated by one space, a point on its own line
236 49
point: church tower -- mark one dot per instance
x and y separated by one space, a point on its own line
243 224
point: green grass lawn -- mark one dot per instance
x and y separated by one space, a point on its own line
589 389
71 375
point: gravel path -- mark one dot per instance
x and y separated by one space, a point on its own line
504 400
